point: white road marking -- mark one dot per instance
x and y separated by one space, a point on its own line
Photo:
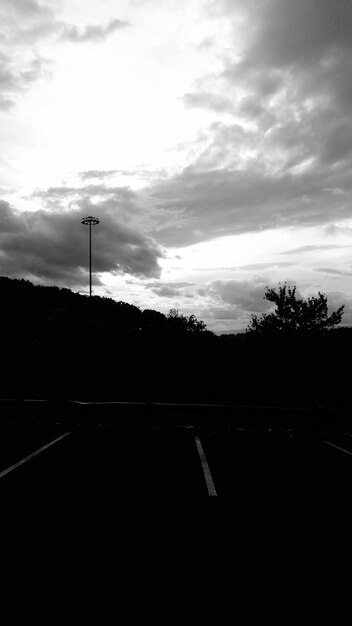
338 448
33 454
205 467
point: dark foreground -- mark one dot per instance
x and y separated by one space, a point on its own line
114 524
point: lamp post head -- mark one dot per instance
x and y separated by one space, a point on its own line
90 221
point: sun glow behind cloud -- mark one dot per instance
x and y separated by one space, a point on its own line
117 105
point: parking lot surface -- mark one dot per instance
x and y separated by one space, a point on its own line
119 523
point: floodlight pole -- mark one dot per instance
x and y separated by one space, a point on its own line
90 259
90 221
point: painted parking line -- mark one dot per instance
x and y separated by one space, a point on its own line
206 471
338 447
32 455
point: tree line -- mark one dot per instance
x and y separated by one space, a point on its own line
57 344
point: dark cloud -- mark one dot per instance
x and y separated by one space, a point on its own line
53 246
205 201
166 292
305 38
245 295
169 289
199 205
296 63
10 221
285 159
91 198
92 32
296 33
235 301
229 304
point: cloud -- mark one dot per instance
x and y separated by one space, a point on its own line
198 205
166 292
314 248
92 32
297 33
170 289
227 313
175 284
97 197
139 173
330 270
25 26
264 266
244 295
296 63
18 75
99 174
334 229
28 12
300 46
228 304
336 299
279 151
234 302
208 100
52 246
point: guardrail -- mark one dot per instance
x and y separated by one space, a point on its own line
154 416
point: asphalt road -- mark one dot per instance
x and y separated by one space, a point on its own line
116 525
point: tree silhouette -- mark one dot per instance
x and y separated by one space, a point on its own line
307 316
178 321
50 347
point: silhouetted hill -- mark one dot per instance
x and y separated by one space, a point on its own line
59 344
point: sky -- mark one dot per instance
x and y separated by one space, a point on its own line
212 139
